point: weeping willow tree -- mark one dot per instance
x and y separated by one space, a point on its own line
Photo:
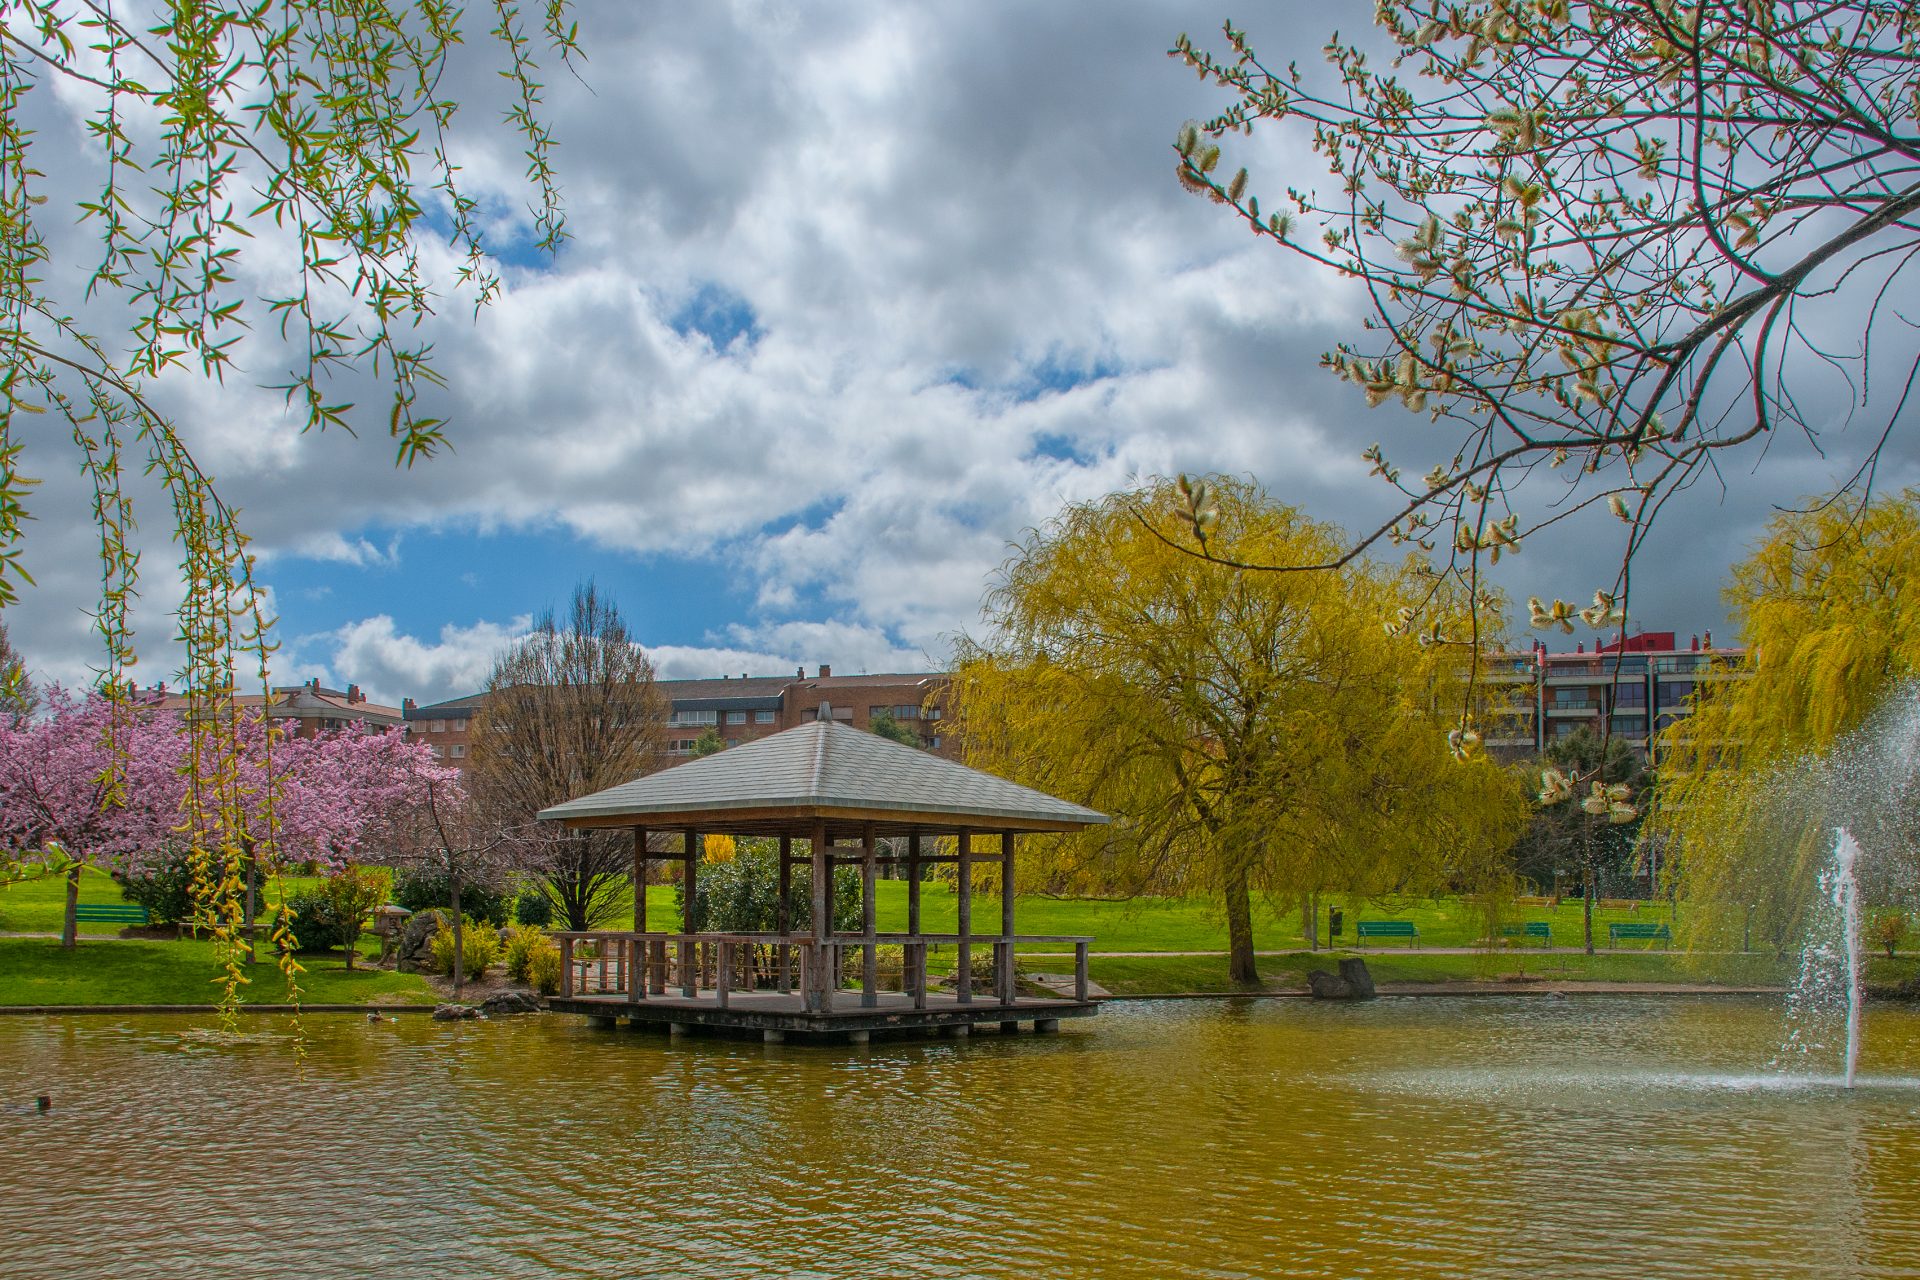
1250 733
1754 780
261 179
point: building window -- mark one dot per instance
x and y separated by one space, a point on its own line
736 717
693 717
457 726
933 744
436 726
763 717
680 746
459 751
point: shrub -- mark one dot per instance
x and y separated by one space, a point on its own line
479 948
741 895
165 888
890 960
543 968
533 907
522 942
1889 931
420 888
315 925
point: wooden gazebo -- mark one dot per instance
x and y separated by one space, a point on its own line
839 792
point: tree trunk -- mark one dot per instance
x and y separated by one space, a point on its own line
70 926
1240 967
1310 921
251 905
459 956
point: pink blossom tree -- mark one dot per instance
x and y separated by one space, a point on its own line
89 783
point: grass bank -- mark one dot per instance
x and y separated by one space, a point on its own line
35 971
1168 975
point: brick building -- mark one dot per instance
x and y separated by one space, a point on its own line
737 708
1629 686
303 710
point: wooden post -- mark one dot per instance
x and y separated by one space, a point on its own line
723 979
566 966
1008 983
639 879
636 970
783 917
963 902
822 920
689 957
869 950
916 958
1080 971
913 883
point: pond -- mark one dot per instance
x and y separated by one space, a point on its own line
1470 1137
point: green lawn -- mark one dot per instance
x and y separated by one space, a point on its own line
39 906
1154 975
1183 924
37 971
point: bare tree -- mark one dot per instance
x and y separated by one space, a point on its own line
1629 240
570 710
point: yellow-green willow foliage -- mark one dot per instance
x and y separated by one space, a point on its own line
1829 608
1249 732
258 177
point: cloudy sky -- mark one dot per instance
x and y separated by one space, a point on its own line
856 293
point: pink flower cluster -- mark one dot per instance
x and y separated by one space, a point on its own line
108 785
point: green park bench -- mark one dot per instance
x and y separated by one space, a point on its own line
1638 933
109 913
1387 929
1531 929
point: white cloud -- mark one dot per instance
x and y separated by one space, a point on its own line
925 210
389 665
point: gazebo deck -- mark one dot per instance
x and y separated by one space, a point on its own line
785 1013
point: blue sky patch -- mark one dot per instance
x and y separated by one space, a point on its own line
719 315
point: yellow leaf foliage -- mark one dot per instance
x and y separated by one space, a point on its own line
1248 731
1828 609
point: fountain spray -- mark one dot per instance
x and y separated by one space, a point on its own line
1846 896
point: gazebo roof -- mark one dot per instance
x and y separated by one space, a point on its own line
824 772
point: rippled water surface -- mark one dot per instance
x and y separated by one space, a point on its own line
1597 1136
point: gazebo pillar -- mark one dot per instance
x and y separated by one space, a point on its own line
869 950
963 905
819 981
1007 980
783 914
913 883
636 962
689 979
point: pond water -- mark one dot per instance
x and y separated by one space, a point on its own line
1593 1136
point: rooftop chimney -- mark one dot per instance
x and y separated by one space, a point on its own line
799 673
1696 642
825 671
407 704
1707 641
353 694
1579 646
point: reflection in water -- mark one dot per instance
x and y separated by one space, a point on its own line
1470 1138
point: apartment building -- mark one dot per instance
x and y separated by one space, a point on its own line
1631 687
736 708
302 710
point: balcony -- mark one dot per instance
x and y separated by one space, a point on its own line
1574 707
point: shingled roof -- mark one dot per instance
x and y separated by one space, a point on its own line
829 772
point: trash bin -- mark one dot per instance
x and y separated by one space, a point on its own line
1336 922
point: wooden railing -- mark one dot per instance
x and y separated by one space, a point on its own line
639 965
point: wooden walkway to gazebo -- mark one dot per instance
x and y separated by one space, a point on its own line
840 791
